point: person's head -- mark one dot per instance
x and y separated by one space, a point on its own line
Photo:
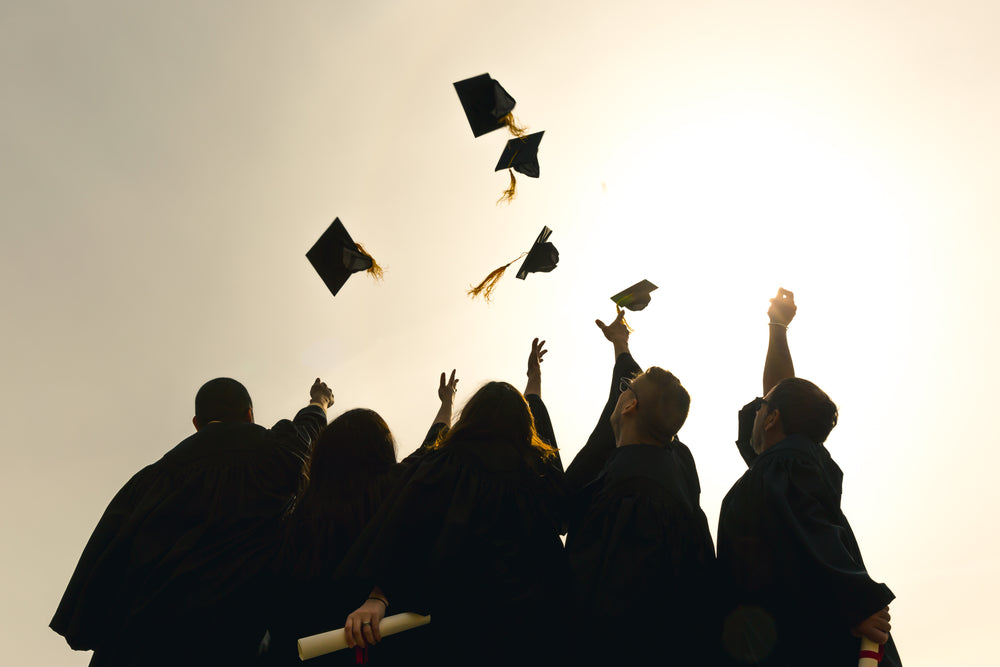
342 484
222 400
651 408
355 447
793 407
498 412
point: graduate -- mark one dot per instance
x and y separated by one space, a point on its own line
471 537
173 573
351 469
639 546
795 589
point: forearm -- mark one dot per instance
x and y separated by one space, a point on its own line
601 443
444 413
778 362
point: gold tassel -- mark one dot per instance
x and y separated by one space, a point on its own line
512 125
621 313
375 271
511 191
490 282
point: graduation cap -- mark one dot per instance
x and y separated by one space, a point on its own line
520 155
541 258
635 297
335 256
487 105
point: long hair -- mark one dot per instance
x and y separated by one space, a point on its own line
342 483
498 412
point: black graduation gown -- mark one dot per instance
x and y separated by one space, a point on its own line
640 550
471 537
791 571
306 597
171 574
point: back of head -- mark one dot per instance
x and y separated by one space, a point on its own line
804 409
498 412
670 404
223 400
342 485
354 448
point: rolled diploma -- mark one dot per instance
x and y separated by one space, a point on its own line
868 645
334 640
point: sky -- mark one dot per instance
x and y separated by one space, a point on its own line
167 165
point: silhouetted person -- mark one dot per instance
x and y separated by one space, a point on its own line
795 588
471 537
639 546
172 574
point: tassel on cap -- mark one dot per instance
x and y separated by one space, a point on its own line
375 271
490 282
512 126
511 191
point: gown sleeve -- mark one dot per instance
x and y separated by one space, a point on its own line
87 611
601 443
799 505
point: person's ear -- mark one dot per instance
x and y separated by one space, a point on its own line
250 415
194 420
630 406
772 420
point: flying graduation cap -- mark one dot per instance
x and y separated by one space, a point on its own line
520 155
541 258
635 297
487 105
335 256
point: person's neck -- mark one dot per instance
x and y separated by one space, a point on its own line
629 436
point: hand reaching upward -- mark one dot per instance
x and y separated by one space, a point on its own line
782 309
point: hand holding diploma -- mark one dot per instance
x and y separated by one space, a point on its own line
874 631
362 625
335 640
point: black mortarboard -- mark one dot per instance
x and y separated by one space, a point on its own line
335 256
541 258
487 105
635 297
521 155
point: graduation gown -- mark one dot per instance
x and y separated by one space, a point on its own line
791 570
306 597
639 548
471 537
171 573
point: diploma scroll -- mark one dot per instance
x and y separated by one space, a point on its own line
334 640
870 654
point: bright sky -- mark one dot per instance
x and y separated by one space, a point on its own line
167 165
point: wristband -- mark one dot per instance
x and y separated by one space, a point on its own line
777 324
381 600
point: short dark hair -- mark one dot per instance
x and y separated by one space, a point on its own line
669 409
222 400
804 409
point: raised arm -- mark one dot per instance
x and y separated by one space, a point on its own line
534 385
446 392
778 363
591 459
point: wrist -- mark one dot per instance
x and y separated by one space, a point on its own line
780 325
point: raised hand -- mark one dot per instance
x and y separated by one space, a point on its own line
538 351
617 332
447 389
782 309
320 394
